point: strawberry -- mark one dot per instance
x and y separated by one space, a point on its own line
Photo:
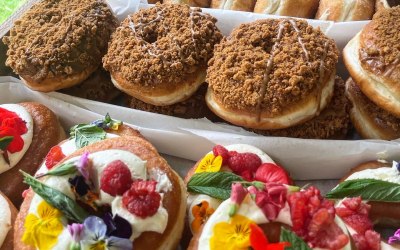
269 172
54 156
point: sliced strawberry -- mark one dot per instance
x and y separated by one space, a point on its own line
269 172
54 156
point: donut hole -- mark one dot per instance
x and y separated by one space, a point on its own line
151 37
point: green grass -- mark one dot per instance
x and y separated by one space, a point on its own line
7 7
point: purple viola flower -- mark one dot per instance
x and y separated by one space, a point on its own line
83 165
395 238
95 236
117 226
75 230
398 166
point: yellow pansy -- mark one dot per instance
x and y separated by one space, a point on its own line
209 163
232 235
42 231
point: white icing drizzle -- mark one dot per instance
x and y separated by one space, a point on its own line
14 158
5 219
299 38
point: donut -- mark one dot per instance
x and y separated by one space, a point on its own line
271 74
242 5
372 58
194 107
97 87
58 44
344 11
244 160
385 4
8 214
159 55
35 129
370 121
128 183
332 123
294 8
193 3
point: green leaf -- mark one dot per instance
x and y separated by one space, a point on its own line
86 134
5 141
57 199
368 189
296 243
64 169
217 185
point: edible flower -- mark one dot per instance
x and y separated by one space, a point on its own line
42 231
117 226
271 200
209 163
395 238
237 196
95 237
108 123
232 235
201 212
83 165
75 230
259 241
11 125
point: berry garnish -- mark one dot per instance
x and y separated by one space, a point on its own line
241 162
269 172
54 156
116 178
141 199
223 152
354 213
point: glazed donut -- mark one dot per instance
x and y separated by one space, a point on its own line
193 3
159 55
332 123
370 121
128 176
385 4
98 87
271 74
8 214
194 107
294 8
344 11
372 58
35 129
262 168
242 5
58 44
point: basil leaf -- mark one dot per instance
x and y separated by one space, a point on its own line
57 199
86 134
5 141
64 169
368 189
296 243
217 185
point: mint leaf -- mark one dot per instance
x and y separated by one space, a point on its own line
5 141
57 199
217 185
368 189
86 134
296 243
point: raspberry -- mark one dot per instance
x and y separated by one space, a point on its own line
370 241
269 172
223 152
355 213
247 175
54 156
116 178
141 199
241 162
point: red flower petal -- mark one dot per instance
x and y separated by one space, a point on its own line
16 144
258 240
4 113
15 123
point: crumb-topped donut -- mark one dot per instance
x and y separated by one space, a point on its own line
159 55
385 4
33 129
120 194
271 74
332 123
373 60
370 121
59 43
8 214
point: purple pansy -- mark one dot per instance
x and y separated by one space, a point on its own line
395 238
83 165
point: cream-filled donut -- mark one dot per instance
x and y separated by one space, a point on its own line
242 5
8 212
345 10
294 8
127 184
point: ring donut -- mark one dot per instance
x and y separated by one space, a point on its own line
8 214
156 222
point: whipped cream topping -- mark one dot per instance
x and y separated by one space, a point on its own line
384 174
5 219
14 158
100 160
